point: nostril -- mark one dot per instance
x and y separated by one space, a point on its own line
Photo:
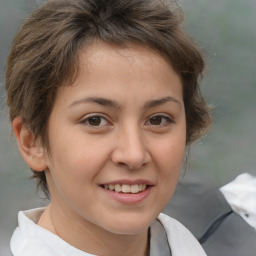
130 159
123 164
132 166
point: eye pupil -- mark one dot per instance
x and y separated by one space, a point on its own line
94 121
156 120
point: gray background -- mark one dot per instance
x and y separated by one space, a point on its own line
225 30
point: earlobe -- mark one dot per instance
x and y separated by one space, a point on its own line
31 149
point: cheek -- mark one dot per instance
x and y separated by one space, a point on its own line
169 164
170 157
77 161
75 148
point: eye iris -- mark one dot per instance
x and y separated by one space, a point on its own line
156 120
94 121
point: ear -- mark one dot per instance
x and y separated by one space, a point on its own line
31 149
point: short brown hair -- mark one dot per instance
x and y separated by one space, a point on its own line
45 51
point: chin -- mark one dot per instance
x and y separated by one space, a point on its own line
131 226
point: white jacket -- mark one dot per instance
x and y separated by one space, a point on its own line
29 239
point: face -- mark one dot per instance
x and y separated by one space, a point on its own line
117 139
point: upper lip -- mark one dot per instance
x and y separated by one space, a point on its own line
129 182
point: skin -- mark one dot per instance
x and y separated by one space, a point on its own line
138 133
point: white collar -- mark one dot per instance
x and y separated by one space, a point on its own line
29 239
241 195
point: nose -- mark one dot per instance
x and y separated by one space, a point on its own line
130 150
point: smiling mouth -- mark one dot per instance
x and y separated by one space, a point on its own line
126 188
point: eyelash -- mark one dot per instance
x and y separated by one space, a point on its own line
168 120
99 119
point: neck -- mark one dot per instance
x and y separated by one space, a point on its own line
90 238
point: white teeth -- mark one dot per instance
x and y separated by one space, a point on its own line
118 188
135 189
111 187
125 188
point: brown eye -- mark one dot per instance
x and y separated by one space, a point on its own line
94 121
159 120
156 120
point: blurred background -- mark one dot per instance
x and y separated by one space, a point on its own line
225 31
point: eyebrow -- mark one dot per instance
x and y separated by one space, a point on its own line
100 101
114 104
158 102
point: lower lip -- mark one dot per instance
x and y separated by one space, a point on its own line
128 198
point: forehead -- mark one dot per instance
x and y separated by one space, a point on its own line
105 68
101 59
132 53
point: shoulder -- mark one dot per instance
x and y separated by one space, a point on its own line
29 239
181 241
208 215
